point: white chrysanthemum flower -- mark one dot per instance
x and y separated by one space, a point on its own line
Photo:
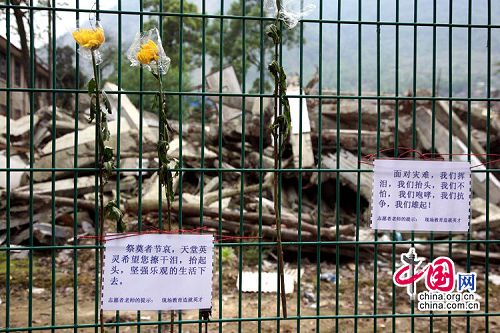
146 50
290 11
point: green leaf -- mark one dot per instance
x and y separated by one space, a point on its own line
92 87
177 165
166 176
274 68
155 103
107 104
163 146
282 81
121 226
106 135
92 109
287 118
169 128
273 32
162 172
107 153
107 170
113 212
170 185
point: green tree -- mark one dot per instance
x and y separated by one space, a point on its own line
191 31
171 41
131 82
232 46
66 75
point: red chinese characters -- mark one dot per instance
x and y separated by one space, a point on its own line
403 276
439 275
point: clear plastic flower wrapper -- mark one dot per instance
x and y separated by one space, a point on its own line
146 50
289 11
89 35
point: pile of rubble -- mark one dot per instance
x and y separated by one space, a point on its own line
238 186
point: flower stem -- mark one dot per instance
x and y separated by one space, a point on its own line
277 135
100 147
99 157
164 136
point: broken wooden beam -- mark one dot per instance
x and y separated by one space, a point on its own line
349 139
47 200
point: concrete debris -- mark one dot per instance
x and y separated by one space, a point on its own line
238 201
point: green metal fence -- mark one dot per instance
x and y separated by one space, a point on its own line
362 300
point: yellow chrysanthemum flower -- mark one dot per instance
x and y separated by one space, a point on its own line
90 39
148 53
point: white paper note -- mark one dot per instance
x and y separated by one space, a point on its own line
268 282
295 104
158 272
421 195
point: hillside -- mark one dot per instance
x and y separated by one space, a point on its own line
349 42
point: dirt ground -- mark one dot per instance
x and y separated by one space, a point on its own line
64 299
